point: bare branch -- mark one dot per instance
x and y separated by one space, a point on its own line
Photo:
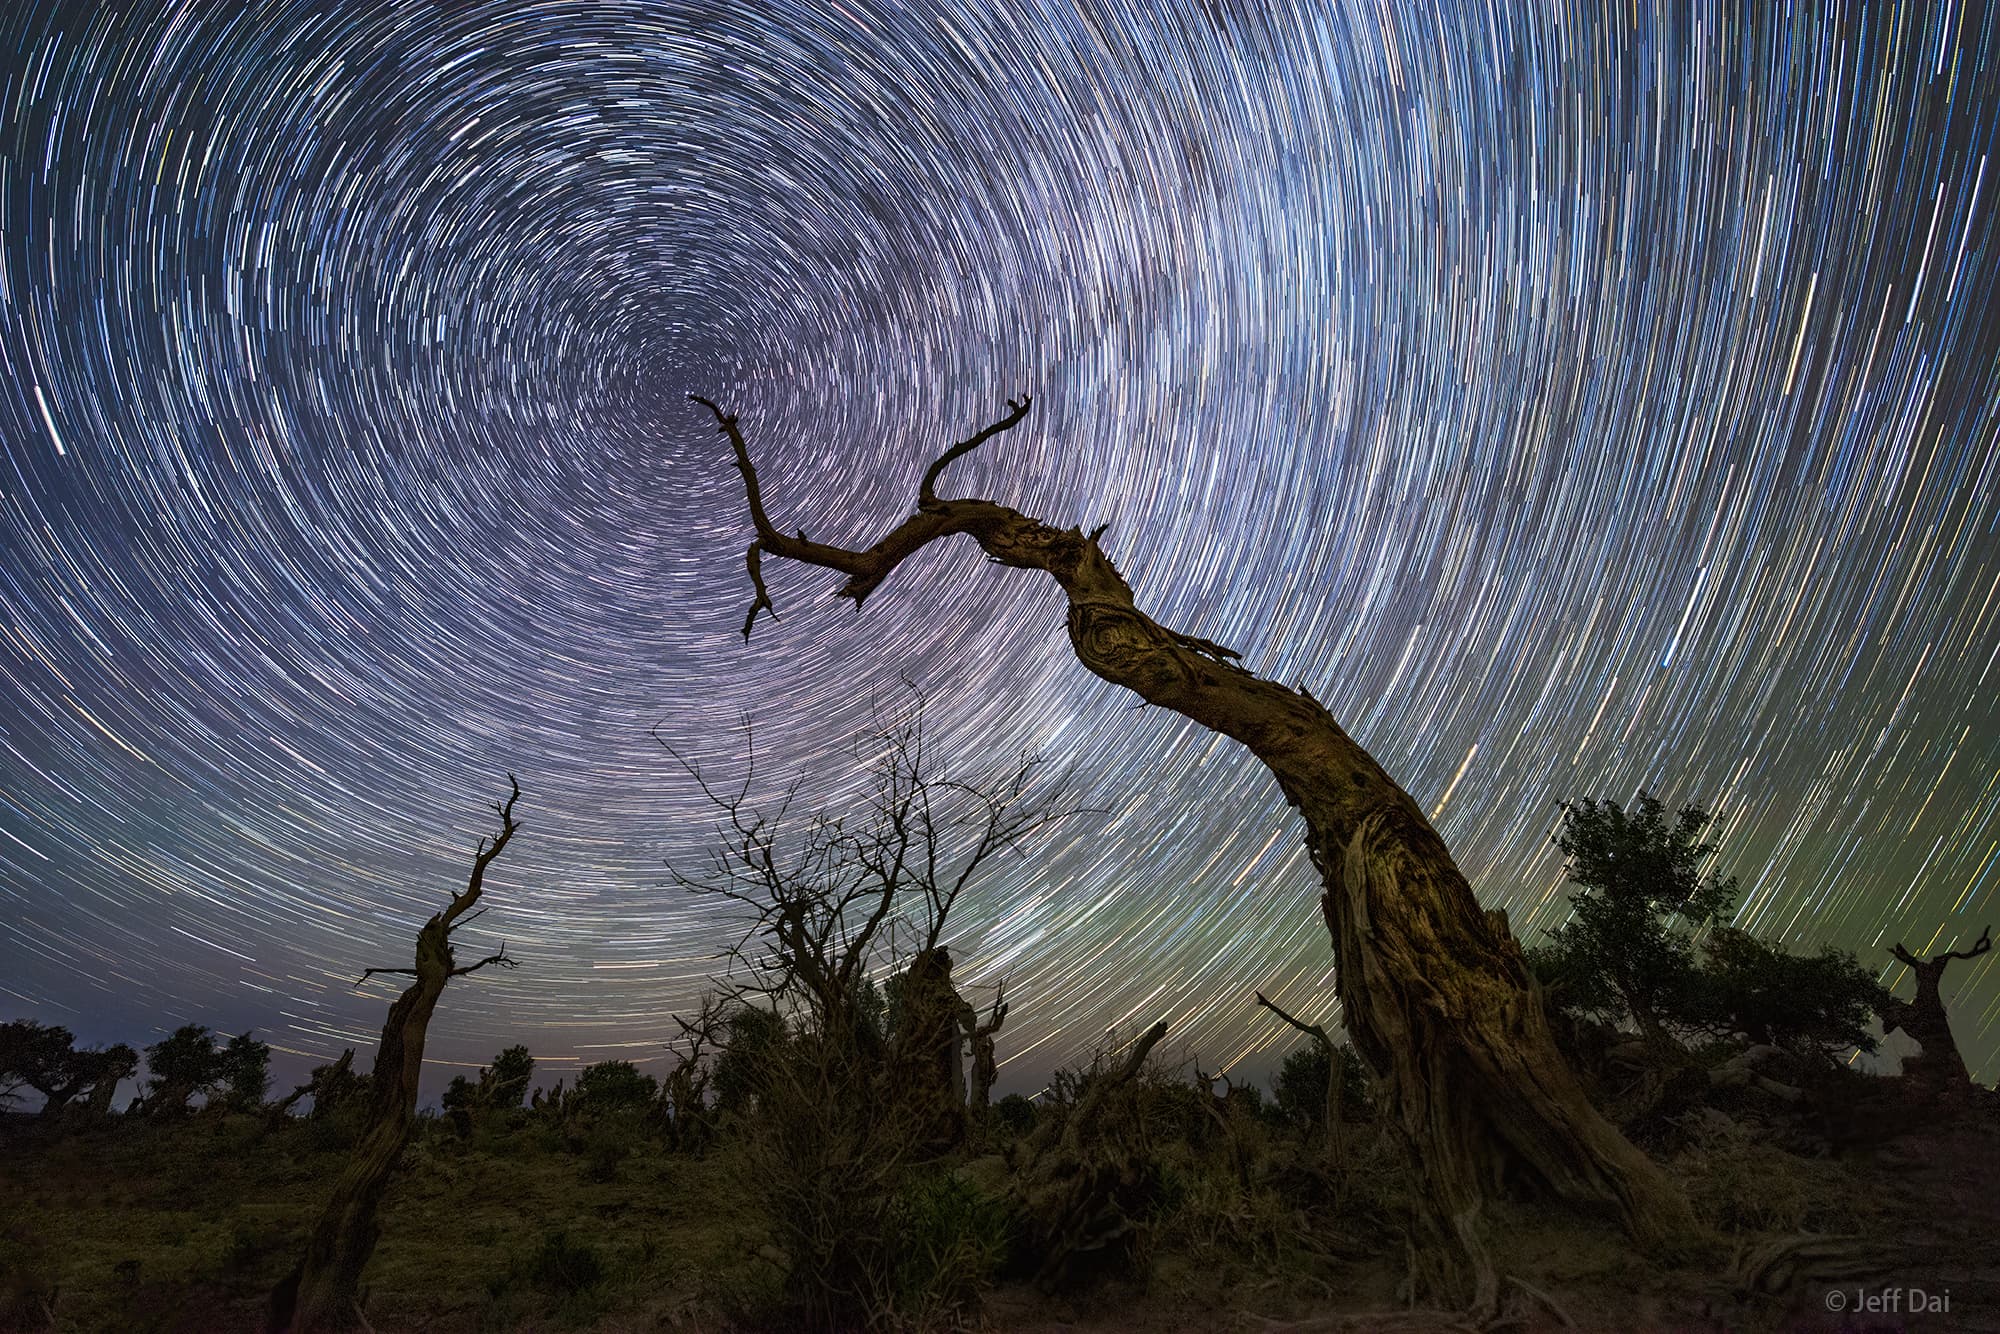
1316 1031
927 490
865 570
484 858
368 973
502 959
1979 947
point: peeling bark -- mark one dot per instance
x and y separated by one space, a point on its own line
1437 996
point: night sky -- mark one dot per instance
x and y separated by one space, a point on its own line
1576 401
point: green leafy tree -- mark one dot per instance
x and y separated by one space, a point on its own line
613 1086
1819 1003
753 1037
1628 952
1301 1085
45 1058
183 1064
244 1072
507 1080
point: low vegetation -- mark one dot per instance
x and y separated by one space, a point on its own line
817 1153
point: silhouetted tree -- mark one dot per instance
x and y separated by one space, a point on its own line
105 1070
1817 1004
182 1065
820 896
752 1037
1321 1083
45 1058
499 1087
1436 993
320 1292
244 1072
1628 951
686 1113
1317 1080
853 1088
507 1080
1940 1070
331 1087
614 1086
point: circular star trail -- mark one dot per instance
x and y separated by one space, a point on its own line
1577 401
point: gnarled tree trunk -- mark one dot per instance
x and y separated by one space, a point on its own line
1940 1071
321 1292
1437 996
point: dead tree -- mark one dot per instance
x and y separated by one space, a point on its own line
324 1079
1336 1109
926 1066
1438 998
820 896
1080 1185
320 1292
985 1069
1941 1069
685 1110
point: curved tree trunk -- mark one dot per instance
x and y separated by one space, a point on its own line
1437 996
1940 1071
322 1291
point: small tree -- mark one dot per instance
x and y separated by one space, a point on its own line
614 1086
501 1086
182 1065
752 1038
45 1058
1819 1004
1320 1083
104 1071
1625 952
853 1088
245 1073
513 1070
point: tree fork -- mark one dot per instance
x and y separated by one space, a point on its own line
1437 996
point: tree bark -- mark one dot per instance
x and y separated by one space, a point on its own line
925 1068
322 1291
1437 996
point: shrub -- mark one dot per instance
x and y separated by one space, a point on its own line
611 1086
948 1240
1014 1115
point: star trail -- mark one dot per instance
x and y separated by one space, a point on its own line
1577 399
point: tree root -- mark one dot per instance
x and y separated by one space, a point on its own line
1780 1267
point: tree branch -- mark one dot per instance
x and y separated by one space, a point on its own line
1316 1031
1979 947
501 958
927 489
468 896
865 570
